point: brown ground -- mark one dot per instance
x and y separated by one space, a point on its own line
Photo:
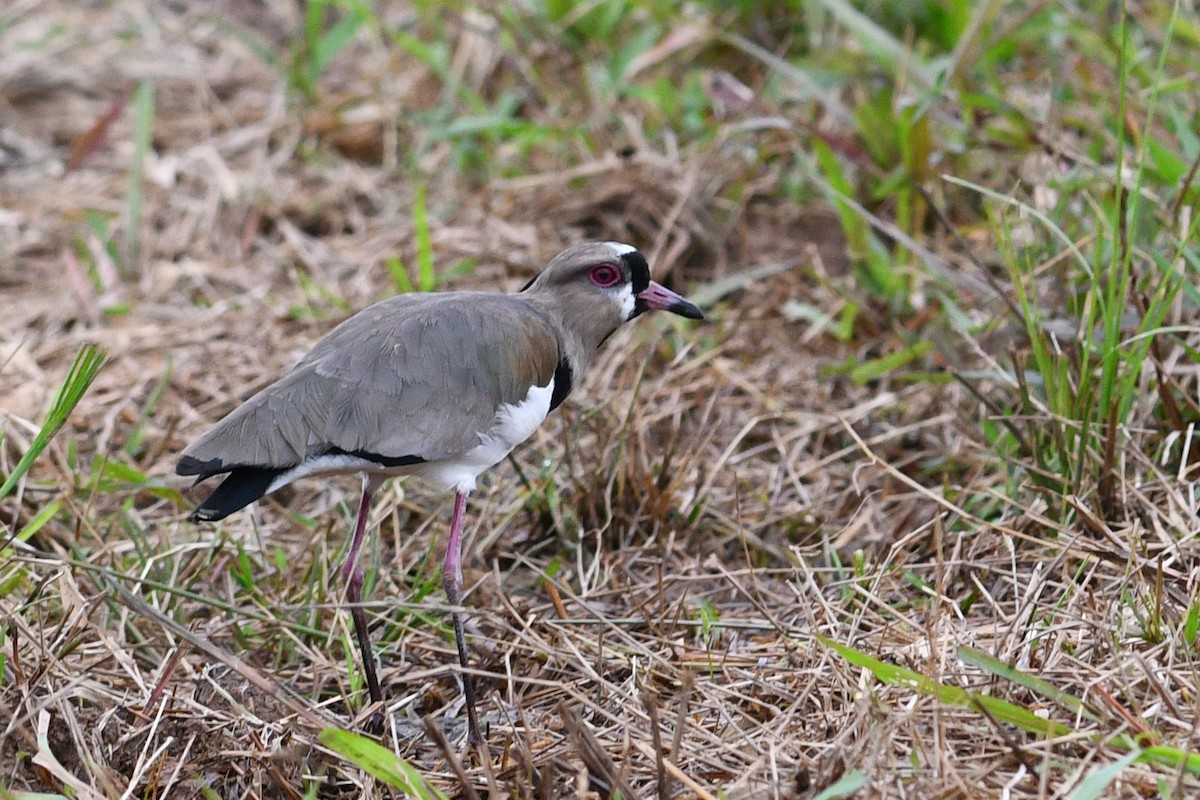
710 499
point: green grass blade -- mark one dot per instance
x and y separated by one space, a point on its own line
426 280
381 763
1001 710
1023 718
133 445
1191 625
1172 758
44 515
1004 711
335 40
399 273
981 660
1098 783
1085 266
845 786
14 578
878 367
856 230
143 127
807 83
436 57
87 364
885 48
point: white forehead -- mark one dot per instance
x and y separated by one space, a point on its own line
620 248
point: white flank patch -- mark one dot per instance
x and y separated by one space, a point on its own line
512 425
323 465
621 248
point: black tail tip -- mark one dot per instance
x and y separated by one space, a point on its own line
241 487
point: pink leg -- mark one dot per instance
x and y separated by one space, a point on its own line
353 575
452 583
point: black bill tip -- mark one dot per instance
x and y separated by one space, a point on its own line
685 308
658 297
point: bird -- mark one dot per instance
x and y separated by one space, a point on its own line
439 386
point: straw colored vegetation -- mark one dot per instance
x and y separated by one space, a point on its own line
912 514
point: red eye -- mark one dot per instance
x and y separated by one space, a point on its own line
605 275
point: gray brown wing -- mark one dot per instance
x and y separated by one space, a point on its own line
408 378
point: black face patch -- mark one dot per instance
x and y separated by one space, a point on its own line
639 279
639 270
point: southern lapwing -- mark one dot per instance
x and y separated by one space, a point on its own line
441 386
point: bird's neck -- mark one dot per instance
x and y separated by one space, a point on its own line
580 337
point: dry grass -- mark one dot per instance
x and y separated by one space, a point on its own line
646 596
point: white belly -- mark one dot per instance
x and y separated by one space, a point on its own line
512 425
